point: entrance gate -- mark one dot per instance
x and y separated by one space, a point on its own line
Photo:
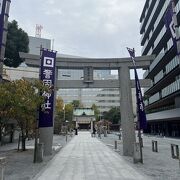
123 65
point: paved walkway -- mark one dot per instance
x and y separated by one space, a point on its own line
86 158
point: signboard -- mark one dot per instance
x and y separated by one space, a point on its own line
2 9
139 99
1 4
47 75
169 23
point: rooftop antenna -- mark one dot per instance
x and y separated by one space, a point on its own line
38 30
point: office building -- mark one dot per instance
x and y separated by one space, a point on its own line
35 43
162 99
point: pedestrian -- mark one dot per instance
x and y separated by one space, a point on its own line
94 132
76 131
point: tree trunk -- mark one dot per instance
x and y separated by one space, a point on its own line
12 133
23 141
1 135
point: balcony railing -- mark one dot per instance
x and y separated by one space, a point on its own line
173 87
172 64
157 60
154 98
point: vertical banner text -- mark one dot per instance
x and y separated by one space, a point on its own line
47 75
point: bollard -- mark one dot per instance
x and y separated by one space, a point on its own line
115 144
119 136
66 138
105 133
154 146
2 166
76 131
141 141
175 151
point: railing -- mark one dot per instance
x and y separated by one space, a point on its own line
161 14
154 98
157 60
173 87
159 76
159 37
152 14
172 64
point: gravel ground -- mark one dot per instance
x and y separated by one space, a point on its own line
158 166
20 165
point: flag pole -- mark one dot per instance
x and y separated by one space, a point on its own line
141 116
140 141
139 128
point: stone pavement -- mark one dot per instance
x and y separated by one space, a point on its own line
87 158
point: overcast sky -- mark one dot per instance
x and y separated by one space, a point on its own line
89 28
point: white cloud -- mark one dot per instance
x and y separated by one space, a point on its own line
51 2
88 28
55 11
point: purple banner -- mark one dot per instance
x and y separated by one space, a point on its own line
48 64
169 23
140 103
139 99
2 13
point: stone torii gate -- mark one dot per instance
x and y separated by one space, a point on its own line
123 65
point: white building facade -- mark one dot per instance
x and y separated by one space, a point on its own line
163 97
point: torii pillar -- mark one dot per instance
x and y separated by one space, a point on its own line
127 117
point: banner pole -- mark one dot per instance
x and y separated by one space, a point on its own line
141 116
37 117
139 126
140 142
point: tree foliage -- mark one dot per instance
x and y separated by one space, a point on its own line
17 41
96 111
77 104
69 112
113 115
64 113
59 105
59 117
21 104
5 107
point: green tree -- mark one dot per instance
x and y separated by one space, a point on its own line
96 111
17 41
5 107
59 117
77 104
23 100
113 115
69 112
